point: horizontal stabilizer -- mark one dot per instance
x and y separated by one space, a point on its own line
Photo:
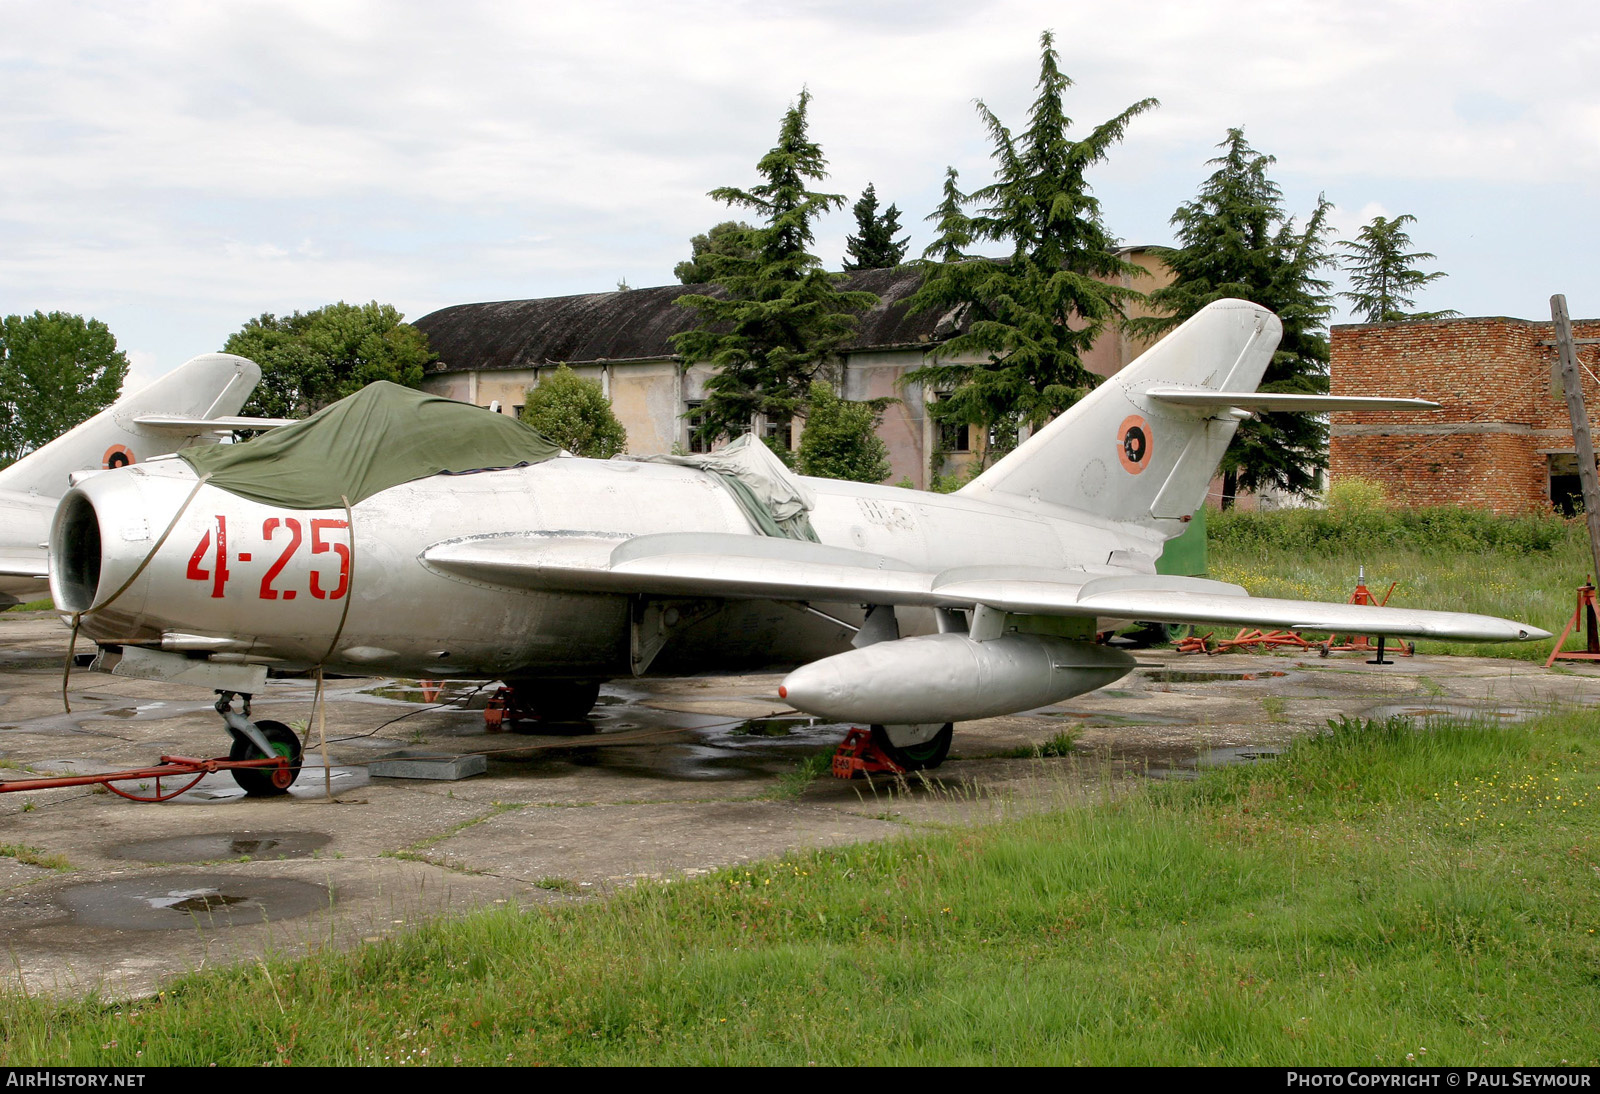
1266 400
222 425
761 568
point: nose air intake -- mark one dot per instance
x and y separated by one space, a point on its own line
75 554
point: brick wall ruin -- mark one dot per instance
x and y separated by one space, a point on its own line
1502 439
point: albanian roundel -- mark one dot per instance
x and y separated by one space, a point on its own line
118 455
1133 444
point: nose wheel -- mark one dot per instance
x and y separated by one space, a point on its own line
261 740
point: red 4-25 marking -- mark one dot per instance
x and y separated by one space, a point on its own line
218 575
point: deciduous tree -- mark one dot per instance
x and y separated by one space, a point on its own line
730 239
1237 241
1032 315
874 247
56 371
311 359
781 316
575 413
1384 276
841 439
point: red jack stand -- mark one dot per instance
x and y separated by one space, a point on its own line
859 756
498 715
1586 610
1361 643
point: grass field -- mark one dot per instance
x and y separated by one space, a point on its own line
1451 559
1377 895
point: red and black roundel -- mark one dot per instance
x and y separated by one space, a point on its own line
118 455
1133 443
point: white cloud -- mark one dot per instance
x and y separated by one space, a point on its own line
178 167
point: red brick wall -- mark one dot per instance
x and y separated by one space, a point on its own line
1486 445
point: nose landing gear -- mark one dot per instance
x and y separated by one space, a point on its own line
254 740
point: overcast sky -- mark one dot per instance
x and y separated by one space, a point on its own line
177 168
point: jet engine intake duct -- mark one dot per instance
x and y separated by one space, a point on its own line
75 553
950 678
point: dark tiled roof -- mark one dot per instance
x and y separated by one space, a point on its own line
635 325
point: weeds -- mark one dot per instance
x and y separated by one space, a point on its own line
33 856
792 784
1061 743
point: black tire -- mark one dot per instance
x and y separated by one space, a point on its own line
1150 634
923 757
258 782
555 707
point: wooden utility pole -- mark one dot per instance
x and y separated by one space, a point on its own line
1588 475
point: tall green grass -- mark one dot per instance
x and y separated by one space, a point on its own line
1446 558
1377 895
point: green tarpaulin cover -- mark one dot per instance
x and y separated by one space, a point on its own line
381 436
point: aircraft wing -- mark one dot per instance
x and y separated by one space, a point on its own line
764 568
23 566
180 423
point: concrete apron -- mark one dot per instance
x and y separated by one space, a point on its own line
678 778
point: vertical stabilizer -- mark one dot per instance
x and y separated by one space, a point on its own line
209 386
1124 456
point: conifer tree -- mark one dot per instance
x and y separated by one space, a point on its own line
954 226
1383 275
1237 241
782 315
1031 317
874 247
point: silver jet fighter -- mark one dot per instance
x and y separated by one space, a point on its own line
189 405
914 611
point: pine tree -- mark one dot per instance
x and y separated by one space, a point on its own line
954 226
874 247
1384 275
1031 317
782 316
1237 241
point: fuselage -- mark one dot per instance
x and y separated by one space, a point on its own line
236 578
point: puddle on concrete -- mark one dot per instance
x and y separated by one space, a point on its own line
184 901
429 694
1207 676
212 846
1190 767
1103 719
1433 712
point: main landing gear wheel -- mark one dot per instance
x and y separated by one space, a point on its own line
915 747
553 706
267 782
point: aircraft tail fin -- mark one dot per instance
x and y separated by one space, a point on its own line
1124 452
211 386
